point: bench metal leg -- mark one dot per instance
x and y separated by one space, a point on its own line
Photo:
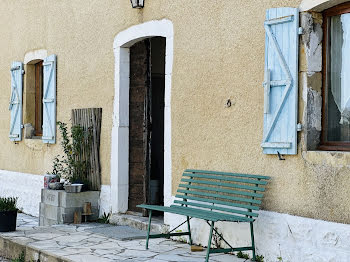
252 237
189 230
149 227
209 241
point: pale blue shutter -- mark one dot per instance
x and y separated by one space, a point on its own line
15 106
49 100
281 81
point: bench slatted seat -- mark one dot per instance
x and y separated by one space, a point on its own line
214 196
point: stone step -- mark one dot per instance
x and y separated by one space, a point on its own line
13 248
136 220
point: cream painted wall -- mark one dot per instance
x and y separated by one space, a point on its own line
218 54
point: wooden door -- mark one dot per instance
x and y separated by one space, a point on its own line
140 125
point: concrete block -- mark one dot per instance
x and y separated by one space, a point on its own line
50 212
78 199
50 197
64 199
68 215
58 207
47 222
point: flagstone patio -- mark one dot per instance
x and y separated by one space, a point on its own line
81 243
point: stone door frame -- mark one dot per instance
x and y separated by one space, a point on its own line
120 130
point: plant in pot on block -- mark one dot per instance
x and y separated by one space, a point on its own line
74 164
8 214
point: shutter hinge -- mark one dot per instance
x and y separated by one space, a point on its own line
48 100
300 31
15 68
22 126
23 72
47 137
299 127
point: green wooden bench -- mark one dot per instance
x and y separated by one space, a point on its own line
214 196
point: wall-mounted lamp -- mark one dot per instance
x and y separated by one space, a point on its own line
137 3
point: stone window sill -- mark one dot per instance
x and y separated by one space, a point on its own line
332 158
35 143
34 138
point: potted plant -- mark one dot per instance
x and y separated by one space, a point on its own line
8 214
73 165
52 179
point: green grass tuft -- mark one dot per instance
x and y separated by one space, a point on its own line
240 254
21 258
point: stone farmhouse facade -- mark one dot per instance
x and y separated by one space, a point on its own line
259 87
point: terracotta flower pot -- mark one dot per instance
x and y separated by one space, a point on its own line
8 221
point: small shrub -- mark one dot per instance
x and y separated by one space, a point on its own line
21 258
74 164
240 254
104 218
8 203
259 258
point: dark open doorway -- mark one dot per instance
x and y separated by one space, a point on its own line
146 123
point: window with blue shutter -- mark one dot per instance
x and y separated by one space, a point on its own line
49 100
15 106
281 81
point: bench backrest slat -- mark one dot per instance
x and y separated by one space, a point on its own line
220 202
252 188
251 181
236 211
227 174
222 193
214 215
215 196
217 189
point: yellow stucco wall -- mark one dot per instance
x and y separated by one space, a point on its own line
218 55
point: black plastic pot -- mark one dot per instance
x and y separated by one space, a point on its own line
8 221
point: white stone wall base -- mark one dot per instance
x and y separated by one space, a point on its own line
26 187
105 200
293 238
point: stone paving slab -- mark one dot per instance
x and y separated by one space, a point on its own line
76 243
119 232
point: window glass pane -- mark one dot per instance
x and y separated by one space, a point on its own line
338 76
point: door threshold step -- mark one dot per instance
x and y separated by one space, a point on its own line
136 220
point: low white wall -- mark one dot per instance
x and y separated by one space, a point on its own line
27 187
105 200
293 238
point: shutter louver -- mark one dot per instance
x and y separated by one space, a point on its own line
281 81
49 100
15 106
